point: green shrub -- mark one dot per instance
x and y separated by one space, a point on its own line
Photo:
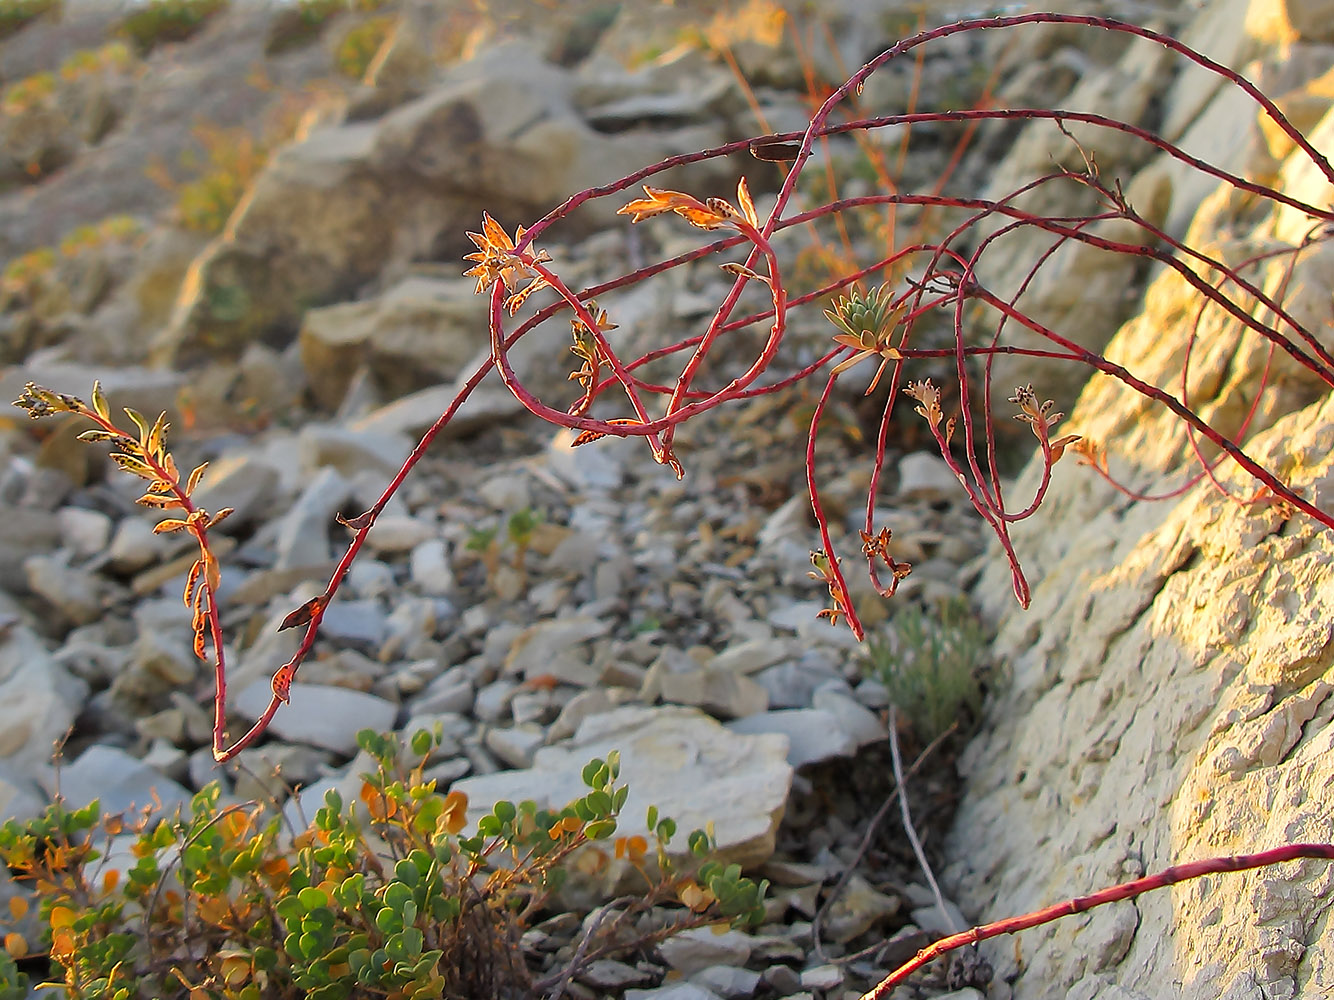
359 45
384 897
85 62
28 93
17 14
297 25
161 21
232 159
932 666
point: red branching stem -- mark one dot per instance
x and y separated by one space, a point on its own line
1113 894
947 275
1171 402
838 585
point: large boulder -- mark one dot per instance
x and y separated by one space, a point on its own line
355 202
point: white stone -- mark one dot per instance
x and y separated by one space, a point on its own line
926 476
727 981
516 746
821 977
430 570
395 533
855 720
721 693
813 734
39 699
857 910
672 991
319 715
700 947
85 531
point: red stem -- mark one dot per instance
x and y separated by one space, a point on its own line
1126 890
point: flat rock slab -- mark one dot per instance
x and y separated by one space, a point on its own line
679 759
320 715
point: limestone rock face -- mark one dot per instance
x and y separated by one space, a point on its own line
1169 696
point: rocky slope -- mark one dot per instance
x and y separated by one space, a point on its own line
1165 697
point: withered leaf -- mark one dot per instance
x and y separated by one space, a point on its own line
361 521
304 614
774 150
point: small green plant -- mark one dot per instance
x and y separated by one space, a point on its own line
17 14
295 26
359 45
388 896
488 545
161 21
230 160
26 94
931 665
24 274
86 62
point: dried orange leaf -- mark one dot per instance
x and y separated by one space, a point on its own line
133 466
158 501
195 476
168 524
15 945
157 434
219 517
659 200
747 206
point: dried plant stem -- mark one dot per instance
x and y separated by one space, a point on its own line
906 814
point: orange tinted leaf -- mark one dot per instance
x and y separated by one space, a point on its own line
110 880
133 466
155 436
212 573
18 907
747 206
168 524
219 517
660 200
235 825
61 917
62 943
455 814
282 682
15 945
195 476
695 896
160 502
